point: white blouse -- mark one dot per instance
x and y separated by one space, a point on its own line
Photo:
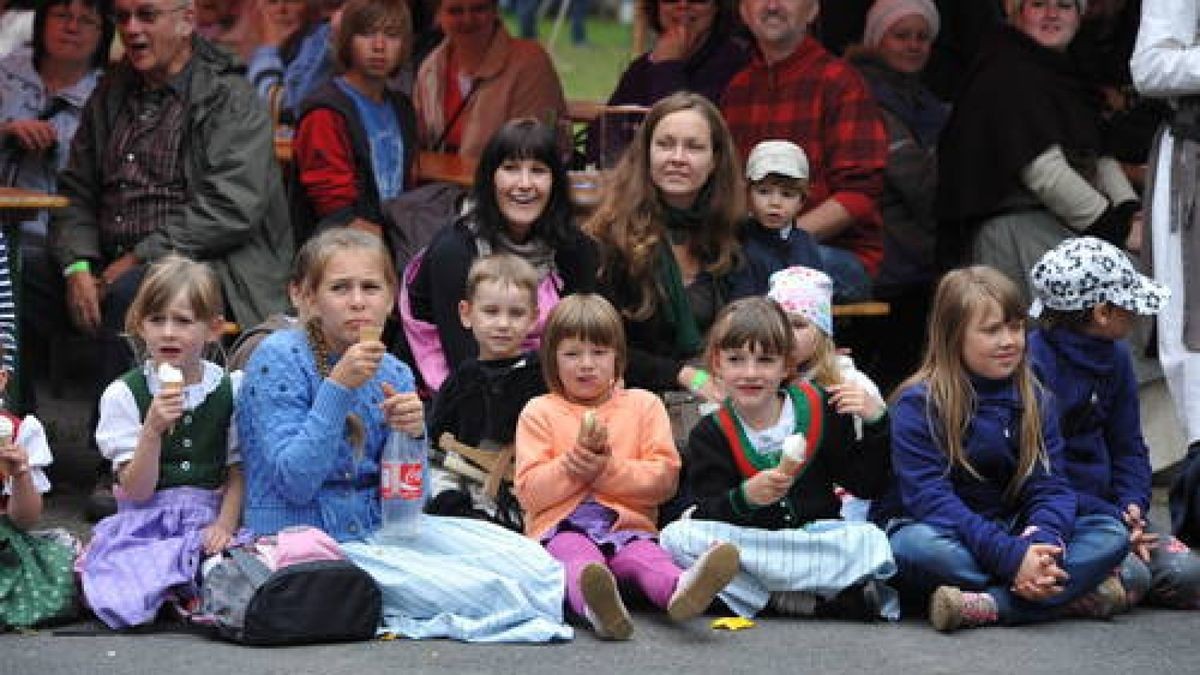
121 421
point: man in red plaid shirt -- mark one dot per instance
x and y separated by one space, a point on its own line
793 89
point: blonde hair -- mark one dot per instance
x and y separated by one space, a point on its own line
504 269
628 223
822 366
757 323
587 317
308 270
961 296
169 278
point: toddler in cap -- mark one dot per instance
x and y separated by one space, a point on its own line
777 172
1087 297
806 296
1085 273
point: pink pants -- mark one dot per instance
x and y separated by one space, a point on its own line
643 562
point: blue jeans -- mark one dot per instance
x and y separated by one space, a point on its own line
929 557
851 283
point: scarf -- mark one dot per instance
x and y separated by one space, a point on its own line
676 308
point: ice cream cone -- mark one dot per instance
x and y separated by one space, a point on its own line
370 333
170 380
794 454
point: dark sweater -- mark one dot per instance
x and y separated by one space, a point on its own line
764 252
715 482
1095 390
483 399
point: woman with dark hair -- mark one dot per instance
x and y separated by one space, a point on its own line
356 138
521 204
695 51
668 242
41 98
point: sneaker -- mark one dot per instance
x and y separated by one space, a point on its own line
701 582
859 602
605 610
1105 601
951 608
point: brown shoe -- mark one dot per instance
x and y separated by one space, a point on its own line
604 610
951 608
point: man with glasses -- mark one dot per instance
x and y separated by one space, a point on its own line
793 89
174 154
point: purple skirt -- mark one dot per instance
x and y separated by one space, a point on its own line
146 554
595 520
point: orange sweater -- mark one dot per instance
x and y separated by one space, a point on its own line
641 474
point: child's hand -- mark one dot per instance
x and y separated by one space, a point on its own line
850 398
14 461
1039 576
584 463
767 487
215 538
165 410
1141 542
404 411
359 364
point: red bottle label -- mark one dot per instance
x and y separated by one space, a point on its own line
400 481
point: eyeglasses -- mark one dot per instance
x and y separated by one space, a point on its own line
82 20
144 14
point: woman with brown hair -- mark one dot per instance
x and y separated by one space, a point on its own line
667 235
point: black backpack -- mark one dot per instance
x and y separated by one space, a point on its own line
305 603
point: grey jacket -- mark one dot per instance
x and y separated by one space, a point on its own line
236 215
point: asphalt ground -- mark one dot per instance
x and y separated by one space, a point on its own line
1145 640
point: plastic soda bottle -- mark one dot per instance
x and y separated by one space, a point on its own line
401 486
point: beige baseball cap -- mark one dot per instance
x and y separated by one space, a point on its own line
777 157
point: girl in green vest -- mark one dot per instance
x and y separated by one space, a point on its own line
778 507
166 427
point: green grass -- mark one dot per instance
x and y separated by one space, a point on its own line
590 72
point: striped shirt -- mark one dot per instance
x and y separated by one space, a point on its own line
142 166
